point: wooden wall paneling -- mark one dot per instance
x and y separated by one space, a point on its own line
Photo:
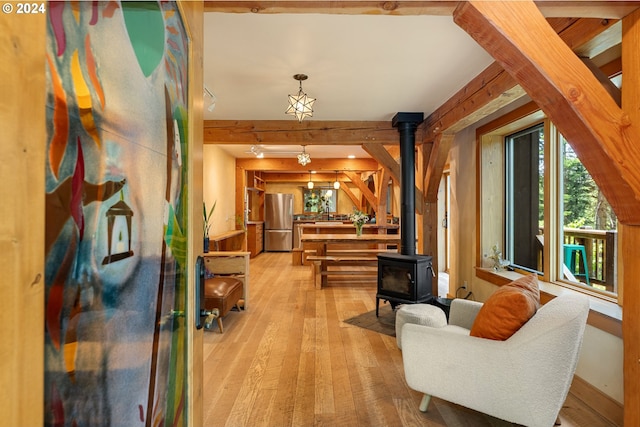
630 235
575 102
491 196
22 170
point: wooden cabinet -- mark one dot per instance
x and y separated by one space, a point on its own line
255 234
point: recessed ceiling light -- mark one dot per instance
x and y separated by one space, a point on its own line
351 156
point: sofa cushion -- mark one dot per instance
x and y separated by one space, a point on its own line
510 307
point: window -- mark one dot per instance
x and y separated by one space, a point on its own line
541 207
589 227
525 198
320 200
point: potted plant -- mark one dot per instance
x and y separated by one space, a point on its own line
208 221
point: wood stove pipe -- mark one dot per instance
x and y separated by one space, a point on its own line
407 123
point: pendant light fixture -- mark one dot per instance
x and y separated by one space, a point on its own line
300 105
336 183
304 158
310 183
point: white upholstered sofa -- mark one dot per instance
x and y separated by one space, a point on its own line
524 379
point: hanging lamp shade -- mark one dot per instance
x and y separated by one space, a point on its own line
310 183
300 105
304 158
336 183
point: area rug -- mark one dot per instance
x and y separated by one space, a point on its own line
385 323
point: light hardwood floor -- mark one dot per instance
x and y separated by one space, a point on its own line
292 361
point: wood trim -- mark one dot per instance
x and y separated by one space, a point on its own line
193 18
597 400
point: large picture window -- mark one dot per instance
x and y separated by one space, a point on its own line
542 209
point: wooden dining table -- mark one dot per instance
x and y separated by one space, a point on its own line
320 242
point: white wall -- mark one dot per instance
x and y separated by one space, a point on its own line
601 358
219 174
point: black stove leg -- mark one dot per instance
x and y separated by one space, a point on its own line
377 303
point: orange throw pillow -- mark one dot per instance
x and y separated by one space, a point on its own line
507 309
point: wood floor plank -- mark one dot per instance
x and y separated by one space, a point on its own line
292 361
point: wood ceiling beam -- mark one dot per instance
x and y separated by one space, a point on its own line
603 136
290 132
303 177
392 166
494 88
437 161
384 158
594 9
371 198
326 165
356 202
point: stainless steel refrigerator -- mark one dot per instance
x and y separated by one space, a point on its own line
278 222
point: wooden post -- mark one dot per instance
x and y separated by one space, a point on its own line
22 167
630 235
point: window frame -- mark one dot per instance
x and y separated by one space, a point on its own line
491 196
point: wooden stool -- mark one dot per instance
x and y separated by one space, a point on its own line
222 293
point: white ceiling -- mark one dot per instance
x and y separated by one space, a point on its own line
360 67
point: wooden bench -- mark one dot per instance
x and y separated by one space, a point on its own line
300 257
320 266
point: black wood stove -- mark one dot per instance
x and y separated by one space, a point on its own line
405 278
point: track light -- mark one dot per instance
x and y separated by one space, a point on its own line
212 102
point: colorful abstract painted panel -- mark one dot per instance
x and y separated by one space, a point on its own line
116 214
